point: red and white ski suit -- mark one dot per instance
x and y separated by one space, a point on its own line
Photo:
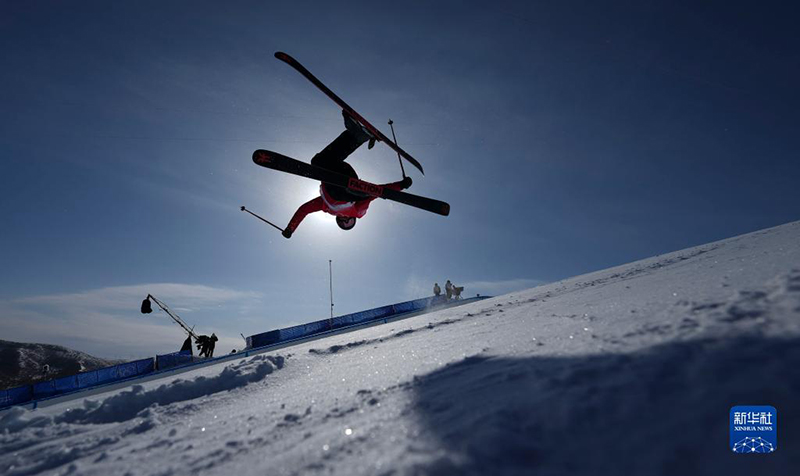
328 205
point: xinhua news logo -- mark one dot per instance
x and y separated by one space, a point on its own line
754 429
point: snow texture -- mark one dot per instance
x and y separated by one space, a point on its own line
630 370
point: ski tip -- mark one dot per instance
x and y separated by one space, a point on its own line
261 157
282 56
445 210
415 163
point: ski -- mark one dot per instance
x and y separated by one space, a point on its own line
276 161
379 136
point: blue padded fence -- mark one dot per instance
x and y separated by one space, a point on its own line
87 379
15 396
71 383
175 359
116 373
316 327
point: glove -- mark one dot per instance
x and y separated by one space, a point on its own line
406 183
287 233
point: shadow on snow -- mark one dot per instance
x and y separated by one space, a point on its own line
664 410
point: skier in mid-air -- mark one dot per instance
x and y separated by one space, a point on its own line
342 193
346 205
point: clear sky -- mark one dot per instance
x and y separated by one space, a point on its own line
567 137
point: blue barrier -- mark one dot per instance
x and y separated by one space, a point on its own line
342 321
66 384
266 338
16 395
63 385
146 366
44 389
106 374
167 361
71 383
126 370
404 307
87 379
317 327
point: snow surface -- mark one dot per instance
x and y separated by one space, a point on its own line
630 370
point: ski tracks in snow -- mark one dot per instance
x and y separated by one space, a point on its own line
764 310
395 335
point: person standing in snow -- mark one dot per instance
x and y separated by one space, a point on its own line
206 344
437 291
208 349
212 342
202 344
457 290
347 206
448 289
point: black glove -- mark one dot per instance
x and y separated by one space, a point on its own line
406 183
287 233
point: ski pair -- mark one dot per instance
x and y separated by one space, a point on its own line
378 135
280 162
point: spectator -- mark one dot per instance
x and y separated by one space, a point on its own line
212 342
448 289
437 291
205 345
457 290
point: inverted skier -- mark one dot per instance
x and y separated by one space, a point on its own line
347 206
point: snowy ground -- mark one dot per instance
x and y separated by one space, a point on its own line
631 370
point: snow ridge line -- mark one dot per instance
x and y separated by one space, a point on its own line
350 345
129 404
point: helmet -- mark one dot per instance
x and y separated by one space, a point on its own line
346 223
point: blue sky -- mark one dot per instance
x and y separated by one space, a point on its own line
567 137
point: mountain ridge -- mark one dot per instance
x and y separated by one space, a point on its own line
23 363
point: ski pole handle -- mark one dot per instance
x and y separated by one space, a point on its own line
391 124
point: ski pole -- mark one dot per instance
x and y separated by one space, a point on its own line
391 122
262 219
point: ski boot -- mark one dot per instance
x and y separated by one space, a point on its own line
355 127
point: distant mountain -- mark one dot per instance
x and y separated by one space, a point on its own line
23 363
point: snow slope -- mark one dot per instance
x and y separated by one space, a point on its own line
630 370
